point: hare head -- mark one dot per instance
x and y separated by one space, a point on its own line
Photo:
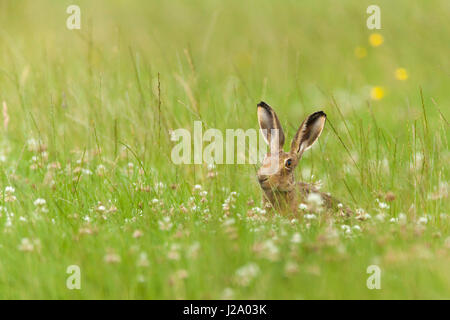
276 175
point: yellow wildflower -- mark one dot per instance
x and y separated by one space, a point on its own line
376 39
377 93
401 74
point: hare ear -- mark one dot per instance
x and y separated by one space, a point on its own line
270 127
308 133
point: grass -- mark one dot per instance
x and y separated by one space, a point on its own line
86 116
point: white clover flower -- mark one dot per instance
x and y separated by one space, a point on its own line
382 205
394 220
380 217
302 206
137 234
229 202
315 199
423 220
258 210
356 227
32 144
311 216
198 187
9 194
101 169
26 245
165 224
203 193
270 251
291 268
160 186
340 205
296 238
245 274
86 172
10 189
112 258
155 201
39 202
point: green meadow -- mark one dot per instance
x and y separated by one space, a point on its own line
87 178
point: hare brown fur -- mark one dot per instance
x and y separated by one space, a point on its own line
276 174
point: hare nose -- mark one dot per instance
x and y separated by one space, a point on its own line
262 178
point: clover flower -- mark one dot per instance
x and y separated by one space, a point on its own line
112 257
143 260
165 224
9 194
422 220
245 274
41 205
314 199
296 238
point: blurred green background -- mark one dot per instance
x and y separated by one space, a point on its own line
110 92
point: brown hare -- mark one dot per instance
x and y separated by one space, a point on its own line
276 175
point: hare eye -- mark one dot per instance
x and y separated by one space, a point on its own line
288 163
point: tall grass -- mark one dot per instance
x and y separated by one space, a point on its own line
88 131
